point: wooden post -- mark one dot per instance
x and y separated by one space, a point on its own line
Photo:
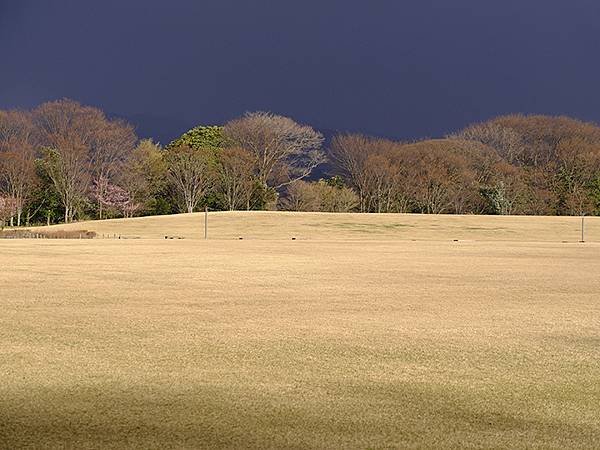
206 222
583 228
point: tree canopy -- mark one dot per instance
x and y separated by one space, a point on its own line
210 136
68 160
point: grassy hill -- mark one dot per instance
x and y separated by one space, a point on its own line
328 226
353 336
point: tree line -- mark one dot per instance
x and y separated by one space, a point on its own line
64 161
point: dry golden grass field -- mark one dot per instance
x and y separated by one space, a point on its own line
367 331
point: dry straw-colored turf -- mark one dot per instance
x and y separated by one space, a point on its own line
327 226
351 336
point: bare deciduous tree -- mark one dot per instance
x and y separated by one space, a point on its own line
375 169
110 151
69 172
319 196
350 152
506 190
558 158
67 132
301 196
17 158
284 151
235 177
79 144
445 174
7 209
506 141
190 173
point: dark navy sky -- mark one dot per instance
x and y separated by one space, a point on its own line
398 68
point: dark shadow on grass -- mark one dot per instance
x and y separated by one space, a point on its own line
338 415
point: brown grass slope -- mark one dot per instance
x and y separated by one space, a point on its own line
318 343
324 226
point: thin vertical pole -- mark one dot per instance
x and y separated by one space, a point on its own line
206 222
583 228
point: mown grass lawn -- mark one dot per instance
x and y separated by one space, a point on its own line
314 343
